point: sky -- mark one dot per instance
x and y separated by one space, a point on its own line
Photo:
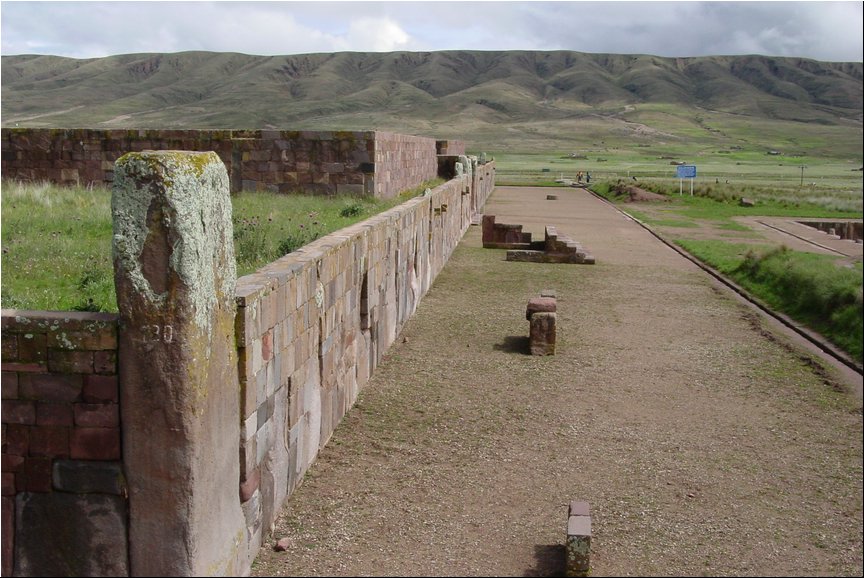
828 31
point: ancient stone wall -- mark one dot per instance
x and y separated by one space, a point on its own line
62 458
313 326
309 329
314 162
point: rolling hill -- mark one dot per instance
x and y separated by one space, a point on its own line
508 99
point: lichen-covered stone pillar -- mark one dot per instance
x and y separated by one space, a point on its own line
175 275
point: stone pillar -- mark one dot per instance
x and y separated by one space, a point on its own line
579 539
175 276
542 318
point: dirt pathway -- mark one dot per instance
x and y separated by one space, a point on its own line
704 443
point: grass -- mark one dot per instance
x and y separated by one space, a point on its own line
709 203
808 287
829 183
56 241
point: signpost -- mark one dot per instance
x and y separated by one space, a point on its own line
685 172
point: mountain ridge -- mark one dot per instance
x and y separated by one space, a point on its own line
539 94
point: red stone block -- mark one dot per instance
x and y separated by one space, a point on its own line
94 340
53 414
23 367
19 412
97 415
17 440
249 485
60 361
267 345
10 347
10 385
32 348
8 485
8 529
100 389
34 476
95 444
105 362
11 463
49 441
50 387
540 304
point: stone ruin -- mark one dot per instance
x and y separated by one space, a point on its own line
578 539
541 314
555 248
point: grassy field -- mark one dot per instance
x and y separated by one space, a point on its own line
57 241
834 184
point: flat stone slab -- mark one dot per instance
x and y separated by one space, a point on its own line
541 304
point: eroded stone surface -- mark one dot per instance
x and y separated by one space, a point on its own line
76 534
175 278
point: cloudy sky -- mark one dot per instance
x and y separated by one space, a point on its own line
830 31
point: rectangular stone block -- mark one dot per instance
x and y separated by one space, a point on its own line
88 443
97 414
32 348
19 412
49 441
55 519
100 389
89 477
53 387
53 414
8 530
542 334
60 361
105 362
578 545
34 475
16 442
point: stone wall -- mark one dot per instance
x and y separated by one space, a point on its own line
310 328
316 162
63 488
313 326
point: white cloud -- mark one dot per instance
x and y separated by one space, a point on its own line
376 35
820 30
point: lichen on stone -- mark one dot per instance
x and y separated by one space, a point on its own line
193 189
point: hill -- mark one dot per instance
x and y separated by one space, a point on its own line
507 99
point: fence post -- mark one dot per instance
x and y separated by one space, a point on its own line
175 276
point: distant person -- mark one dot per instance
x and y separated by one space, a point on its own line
579 177
588 178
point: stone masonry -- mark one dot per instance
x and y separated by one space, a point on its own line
371 163
206 470
62 459
541 314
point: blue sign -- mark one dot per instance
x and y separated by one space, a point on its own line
686 171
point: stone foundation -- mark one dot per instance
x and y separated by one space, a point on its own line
556 249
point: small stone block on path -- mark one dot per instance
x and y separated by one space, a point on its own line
578 539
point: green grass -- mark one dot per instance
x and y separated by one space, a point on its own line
713 204
808 287
56 241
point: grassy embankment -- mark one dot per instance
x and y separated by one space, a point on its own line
57 241
820 291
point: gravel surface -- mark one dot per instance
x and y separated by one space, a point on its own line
704 443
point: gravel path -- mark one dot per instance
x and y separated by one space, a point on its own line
705 443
